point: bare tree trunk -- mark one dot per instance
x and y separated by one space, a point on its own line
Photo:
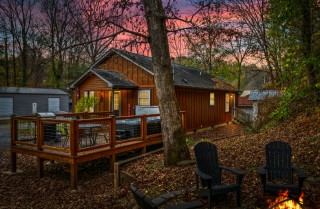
6 57
12 30
175 147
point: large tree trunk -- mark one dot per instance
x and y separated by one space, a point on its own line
307 47
175 147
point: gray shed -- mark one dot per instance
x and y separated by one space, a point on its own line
27 101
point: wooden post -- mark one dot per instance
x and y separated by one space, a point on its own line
13 131
74 138
40 162
116 173
112 162
113 133
144 127
144 150
40 134
13 162
74 175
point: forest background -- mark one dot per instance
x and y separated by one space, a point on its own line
49 43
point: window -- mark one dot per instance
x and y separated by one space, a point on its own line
116 101
53 104
89 94
227 104
144 97
211 99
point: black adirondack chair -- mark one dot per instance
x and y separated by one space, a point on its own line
209 171
278 173
145 203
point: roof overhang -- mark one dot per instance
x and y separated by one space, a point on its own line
108 82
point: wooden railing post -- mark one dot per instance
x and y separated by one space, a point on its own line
74 138
144 127
13 131
113 142
40 142
40 134
113 132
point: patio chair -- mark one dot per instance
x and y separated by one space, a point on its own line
66 135
145 203
278 173
104 131
209 171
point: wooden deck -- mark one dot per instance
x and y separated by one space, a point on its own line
78 138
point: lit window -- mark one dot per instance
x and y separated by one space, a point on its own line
116 101
144 97
211 99
227 104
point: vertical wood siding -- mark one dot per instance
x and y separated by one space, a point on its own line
93 83
198 110
195 102
128 69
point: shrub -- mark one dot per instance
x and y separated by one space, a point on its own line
84 103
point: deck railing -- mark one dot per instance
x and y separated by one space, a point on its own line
72 139
69 135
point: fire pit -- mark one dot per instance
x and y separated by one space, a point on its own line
284 201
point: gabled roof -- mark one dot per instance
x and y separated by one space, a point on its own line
24 90
183 76
244 102
261 94
114 79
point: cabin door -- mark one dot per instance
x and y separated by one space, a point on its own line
117 103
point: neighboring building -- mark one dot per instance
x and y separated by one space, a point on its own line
27 101
122 80
248 100
245 104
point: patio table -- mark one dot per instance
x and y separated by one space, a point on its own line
88 133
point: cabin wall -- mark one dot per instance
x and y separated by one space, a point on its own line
93 83
199 113
196 103
130 70
134 73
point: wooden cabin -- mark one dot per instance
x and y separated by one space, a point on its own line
122 80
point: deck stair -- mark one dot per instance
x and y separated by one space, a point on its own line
241 117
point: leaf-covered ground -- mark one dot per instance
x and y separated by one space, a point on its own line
243 152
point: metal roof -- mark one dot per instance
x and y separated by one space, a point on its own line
261 94
24 90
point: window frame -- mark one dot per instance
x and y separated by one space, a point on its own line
227 103
211 99
149 97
